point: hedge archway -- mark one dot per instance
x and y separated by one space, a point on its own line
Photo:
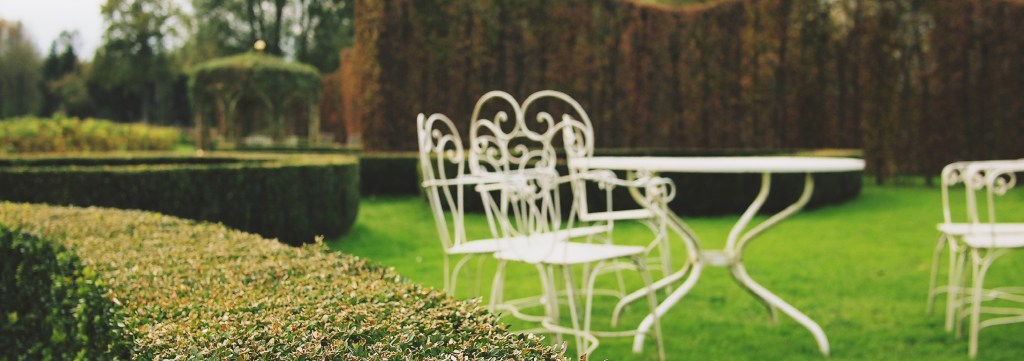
216 88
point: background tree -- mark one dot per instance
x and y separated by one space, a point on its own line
311 31
63 87
133 75
325 27
19 71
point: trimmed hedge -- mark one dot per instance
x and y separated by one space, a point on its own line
30 134
290 197
53 307
201 290
916 84
390 173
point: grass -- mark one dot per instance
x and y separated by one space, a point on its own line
859 269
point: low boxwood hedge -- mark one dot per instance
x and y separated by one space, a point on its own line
390 174
52 307
290 197
203 291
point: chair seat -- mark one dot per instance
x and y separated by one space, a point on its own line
568 253
994 240
491 245
476 247
959 229
626 215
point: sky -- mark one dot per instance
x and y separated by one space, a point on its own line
45 19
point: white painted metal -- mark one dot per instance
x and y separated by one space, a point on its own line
987 243
739 237
952 233
578 142
524 208
768 164
440 153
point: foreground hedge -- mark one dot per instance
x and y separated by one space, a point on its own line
201 290
31 134
53 308
291 197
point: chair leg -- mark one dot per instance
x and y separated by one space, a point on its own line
955 292
479 276
497 287
573 312
934 277
978 270
455 274
652 303
447 275
551 291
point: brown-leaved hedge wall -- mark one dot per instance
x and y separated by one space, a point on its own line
915 83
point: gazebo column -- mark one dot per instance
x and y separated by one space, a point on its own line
314 124
201 136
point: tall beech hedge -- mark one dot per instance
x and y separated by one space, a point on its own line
196 290
915 83
290 197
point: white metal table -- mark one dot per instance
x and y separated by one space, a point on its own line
739 236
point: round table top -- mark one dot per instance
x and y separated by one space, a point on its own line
767 164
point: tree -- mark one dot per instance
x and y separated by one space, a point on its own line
19 71
312 31
61 76
134 64
326 27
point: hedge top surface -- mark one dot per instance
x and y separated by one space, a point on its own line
201 290
267 75
257 61
151 160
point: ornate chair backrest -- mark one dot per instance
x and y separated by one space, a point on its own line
442 163
577 137
506 145
952 174
995 178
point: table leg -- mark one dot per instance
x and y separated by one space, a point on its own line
819 335
738 240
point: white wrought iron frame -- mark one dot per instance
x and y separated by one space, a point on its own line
986 240
528 209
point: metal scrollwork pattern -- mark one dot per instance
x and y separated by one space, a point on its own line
441 152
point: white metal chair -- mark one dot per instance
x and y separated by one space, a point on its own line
986 242
951 233
578 142
529 222
442 164
525 211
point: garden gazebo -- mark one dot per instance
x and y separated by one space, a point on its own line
255 94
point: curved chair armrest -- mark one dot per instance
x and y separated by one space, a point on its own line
651 185
464 180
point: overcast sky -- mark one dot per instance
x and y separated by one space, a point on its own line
45 19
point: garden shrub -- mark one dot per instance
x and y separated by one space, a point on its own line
201 290
290 197
52 307
389 173
29 134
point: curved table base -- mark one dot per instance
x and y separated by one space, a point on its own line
731 257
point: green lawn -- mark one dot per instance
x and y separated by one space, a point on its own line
859 269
